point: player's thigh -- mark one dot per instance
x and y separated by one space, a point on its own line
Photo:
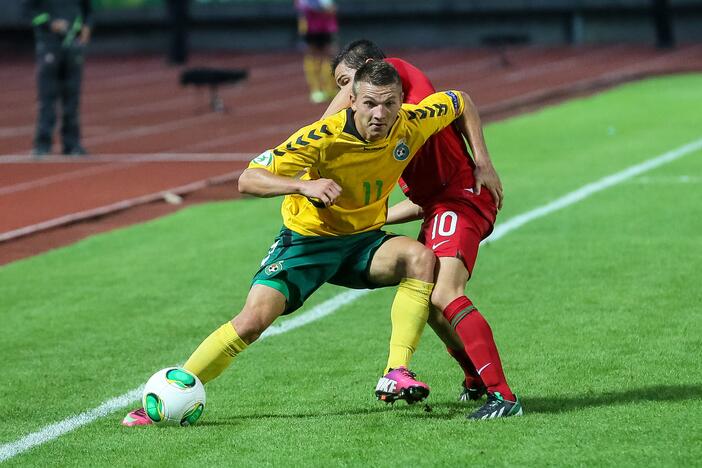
358 251
398 258
297 266
454 231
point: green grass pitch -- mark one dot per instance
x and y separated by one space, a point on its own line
596 309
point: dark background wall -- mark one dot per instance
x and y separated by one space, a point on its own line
270 24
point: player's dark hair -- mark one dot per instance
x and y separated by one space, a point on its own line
377 73
357 53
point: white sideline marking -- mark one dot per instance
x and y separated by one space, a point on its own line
58 429
53 431
592 188
327 307
330 306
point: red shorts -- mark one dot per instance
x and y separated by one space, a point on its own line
454 230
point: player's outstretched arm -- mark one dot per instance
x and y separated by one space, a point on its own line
485 173
404 212
261 183
341 101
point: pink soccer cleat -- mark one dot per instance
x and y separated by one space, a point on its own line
137 417
400 384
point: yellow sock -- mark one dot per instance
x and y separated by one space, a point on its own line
215 353
311 65
409 313
327 78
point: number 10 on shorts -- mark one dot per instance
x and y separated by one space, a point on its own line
444 224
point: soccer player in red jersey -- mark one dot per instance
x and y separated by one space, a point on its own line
458 197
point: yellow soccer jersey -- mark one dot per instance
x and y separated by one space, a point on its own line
367 172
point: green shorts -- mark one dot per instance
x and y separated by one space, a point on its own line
298 265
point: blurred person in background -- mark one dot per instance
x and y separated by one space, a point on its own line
61 30
317 26
179 17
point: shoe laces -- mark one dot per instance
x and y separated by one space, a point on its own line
140 412
494 399
406 372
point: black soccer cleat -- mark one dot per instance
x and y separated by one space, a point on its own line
472 393
497 407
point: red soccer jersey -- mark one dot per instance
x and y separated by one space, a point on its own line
443 167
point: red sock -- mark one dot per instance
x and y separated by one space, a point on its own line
472 378
476 335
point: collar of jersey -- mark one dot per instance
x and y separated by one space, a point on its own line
350 127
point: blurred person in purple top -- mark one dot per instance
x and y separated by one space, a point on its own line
317 26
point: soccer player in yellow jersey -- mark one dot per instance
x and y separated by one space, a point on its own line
337 175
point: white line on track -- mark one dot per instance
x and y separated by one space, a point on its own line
330 306
130 158
58 178
118 206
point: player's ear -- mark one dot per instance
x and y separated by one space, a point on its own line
353 99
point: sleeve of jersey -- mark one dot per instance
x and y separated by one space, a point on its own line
436 112
297 154
415 84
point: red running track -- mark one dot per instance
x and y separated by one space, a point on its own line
148 136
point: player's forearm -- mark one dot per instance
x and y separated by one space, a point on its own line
341 101
472 128
403 212
261 183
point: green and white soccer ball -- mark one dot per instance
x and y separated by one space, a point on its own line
174 397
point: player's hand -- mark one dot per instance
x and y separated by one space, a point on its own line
59 26
325 190
84 37
486 176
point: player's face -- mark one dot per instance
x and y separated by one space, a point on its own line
343 75
376 109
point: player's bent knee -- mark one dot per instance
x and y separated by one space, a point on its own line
420 263
251 322
247 327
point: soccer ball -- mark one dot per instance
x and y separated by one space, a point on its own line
174 397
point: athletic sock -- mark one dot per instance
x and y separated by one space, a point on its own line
472 379
409 313
311 66
327 77
215 353
479 343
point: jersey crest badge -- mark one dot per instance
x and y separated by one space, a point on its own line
401 151
274 268
454 100
264 159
